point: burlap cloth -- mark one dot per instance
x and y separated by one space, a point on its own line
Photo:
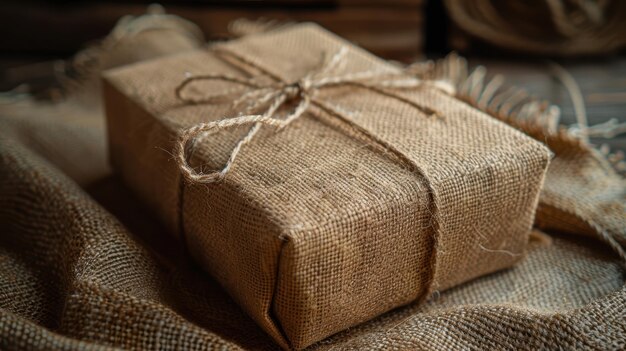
85 266
314 229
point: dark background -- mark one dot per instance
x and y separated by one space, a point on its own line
36 34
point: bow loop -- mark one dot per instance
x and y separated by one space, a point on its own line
187 82
190 134
266 99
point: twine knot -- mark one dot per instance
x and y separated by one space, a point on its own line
264 100
297 89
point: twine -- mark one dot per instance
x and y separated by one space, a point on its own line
265 99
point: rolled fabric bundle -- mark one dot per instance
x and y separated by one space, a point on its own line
345 187
544 27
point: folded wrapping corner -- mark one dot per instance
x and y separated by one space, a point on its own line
354 189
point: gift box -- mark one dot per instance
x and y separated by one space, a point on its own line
320 185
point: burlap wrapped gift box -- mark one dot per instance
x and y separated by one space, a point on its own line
315 229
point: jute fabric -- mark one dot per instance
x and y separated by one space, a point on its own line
85 264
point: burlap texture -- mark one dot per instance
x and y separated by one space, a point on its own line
585 187
92 283
588 199
314 231
84 266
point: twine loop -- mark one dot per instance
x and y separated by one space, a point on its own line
263 100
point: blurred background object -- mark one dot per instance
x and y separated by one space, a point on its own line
542 27
392 28
38 32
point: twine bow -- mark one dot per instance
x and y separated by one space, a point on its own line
276 94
